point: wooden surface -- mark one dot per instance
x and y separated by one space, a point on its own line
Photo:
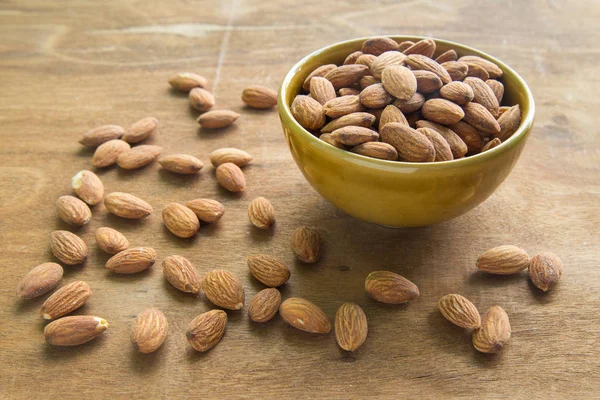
68 66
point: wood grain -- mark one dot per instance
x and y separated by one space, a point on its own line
66 67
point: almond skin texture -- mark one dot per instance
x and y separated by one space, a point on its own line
326 137
73 211
349 91
497 88
149 331
126 205
181 273
351 326
206 330
268 269
39 281
68 247
352 57
471 136
388 287
257 96
441 146
449 55
375 96
426 47
442 111
207 210
379 45
477 71
186 81
460 311
367 81
107 153
231 177
492 69
261 213
111 241
132 261
457 70
346 75
73 331
354 135
341 106
427 81
491 144
457 92
304 315
223 289
180 220
65 300
509 122
380 150
308 112
545 270
230 155
503 260
483 94
264 305
95 137
457 146
399 81
307 244
421 62
139 156
320 71
362 119
410 144
405 45
384 60
391 113
494 332
322 90
181 164
141 130
217 119
201 99
411 105
88 187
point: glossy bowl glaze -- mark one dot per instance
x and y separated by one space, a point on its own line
401 194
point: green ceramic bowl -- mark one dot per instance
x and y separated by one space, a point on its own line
400 193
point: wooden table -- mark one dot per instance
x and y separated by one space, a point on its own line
66 67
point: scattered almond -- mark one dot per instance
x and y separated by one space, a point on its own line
304 315
217 119
141 130
149 331
181 273
110 240
139 156
88 187
391 288
207 210
223 289
73 331
231 177
268 269
68 247
65 300
230 155
503 260
264 305
351 326
107 153
180 220
186 81
95 137
201 99
73 211
181 164
132 261
126 205
206 330
545 270
494 331
307 244
39 281
257 96
460 311
261 213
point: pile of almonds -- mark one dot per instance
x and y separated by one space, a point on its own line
395 101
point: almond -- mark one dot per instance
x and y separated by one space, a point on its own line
217 119
411 145
483 94
391 288
139 156
405 45
367 80
73 331
206 210
320 71
132 261
349 91
352 57
441 146
545 270
230 155
346 75
457 92
126 205
471 136
494 331
354 135
379 45
502 110
363 119
180 220
257 96
264 305
458 147
107 153
391 113
442 111
341 106
206 330
68 247
457 70
223 289
322 90
497 88
326 137
201 99
424 63
426 47
477 71
231 177
366 59
88 187
427 81
261 213
111 241
39 281
95 137
351 326
492 69
268 270
186 81
73 211
304 315
181 164
149 331
480 118
375 96
491 144
449 55
503 260
308 112
383 151
460 311
411 105
509 122
399 81
181 273
141 130
65 300
307 244
384 60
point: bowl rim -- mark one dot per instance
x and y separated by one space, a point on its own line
521 132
